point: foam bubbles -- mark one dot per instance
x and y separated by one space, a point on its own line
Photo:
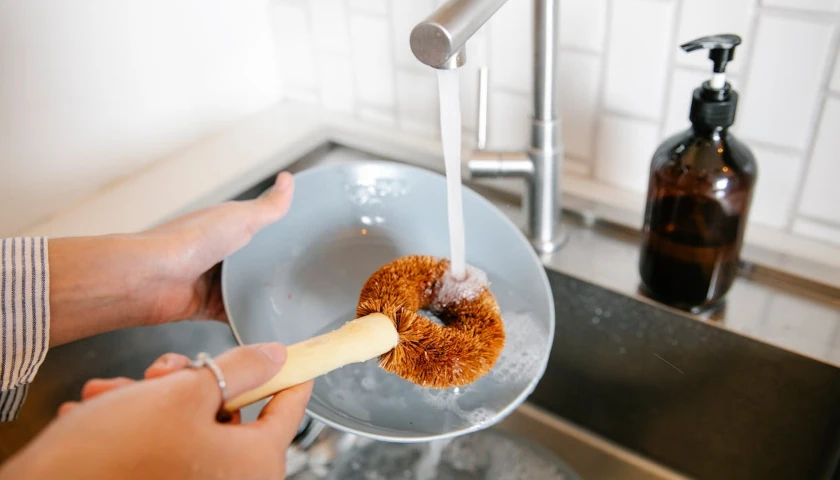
487 454
525 348
453 290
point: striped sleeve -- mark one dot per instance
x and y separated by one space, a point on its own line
24 317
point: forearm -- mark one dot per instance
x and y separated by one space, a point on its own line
96 286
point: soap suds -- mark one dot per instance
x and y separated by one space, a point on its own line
451 290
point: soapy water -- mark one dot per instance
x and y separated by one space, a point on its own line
452 290
450 138
427 467
372 396
484 455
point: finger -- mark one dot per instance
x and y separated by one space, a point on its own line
67 407
282 415
223 229
276 202
243 368
166 364
98 386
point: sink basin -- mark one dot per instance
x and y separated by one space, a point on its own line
687 394
633 389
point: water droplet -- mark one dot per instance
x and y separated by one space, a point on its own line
596 320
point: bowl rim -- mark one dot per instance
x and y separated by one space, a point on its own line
532 256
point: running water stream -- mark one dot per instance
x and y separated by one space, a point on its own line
450 137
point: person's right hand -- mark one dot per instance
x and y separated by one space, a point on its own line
165 425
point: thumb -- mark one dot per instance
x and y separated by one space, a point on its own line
276 202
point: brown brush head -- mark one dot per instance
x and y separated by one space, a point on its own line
428 354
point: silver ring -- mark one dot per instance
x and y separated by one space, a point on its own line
205 360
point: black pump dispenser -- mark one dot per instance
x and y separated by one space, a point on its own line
699 194
714 103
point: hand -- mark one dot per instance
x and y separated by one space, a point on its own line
165 426
168 273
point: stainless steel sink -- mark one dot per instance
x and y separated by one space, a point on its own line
633 389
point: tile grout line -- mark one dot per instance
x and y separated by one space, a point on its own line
358 103
395 107
815 127
489 65
351 57
798 14
310 25
820 221
631 116
670 68
600 107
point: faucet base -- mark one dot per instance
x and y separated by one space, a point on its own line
544 247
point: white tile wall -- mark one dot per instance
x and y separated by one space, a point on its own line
635 80
782 92
624 85
329 26
625 147
417 102
821 195
835 79
508 121
583 24
336 82
377 7
699 18
295 46
578 87
373 69
779 175
511 46
815 5
683 83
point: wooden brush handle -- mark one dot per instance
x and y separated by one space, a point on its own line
358 340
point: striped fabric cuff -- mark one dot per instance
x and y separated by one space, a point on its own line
11 402
24 316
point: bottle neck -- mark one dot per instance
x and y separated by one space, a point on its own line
713 134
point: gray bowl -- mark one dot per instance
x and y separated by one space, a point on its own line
302 275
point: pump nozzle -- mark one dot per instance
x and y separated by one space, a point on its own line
721 51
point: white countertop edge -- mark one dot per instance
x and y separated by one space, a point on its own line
231 161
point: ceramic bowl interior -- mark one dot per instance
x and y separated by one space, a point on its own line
302 275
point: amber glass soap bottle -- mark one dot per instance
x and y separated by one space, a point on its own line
699 194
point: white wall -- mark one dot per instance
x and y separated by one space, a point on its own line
624 85
92 90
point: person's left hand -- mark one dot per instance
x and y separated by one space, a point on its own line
167 273
193 246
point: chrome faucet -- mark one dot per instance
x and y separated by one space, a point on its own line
439 41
